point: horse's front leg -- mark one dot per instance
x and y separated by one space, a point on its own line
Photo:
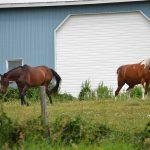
146 89
143 88
22 90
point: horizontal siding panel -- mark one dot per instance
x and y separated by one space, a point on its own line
94 46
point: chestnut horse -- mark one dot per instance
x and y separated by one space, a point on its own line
26 77
134 74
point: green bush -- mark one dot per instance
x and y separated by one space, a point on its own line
86 92
15 134
97 132
103 92
143 138
63 97
136 92
11 94
9 133
67 130
33 94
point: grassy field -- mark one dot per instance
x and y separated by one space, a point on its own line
124 116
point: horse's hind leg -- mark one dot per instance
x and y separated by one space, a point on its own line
120 85
23 102
118 90
48 94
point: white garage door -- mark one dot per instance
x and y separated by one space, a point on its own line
93 47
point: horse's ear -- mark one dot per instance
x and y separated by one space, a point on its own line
4 75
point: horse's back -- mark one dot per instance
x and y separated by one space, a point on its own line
131 73
35 70
37 75
131 68
47 71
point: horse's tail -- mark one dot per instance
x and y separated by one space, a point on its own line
58 81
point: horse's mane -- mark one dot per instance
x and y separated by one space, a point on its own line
25 66
19 67
146 63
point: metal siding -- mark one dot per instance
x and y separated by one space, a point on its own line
28 33
94 46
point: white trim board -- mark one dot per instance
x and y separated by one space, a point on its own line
40 3
101 13
15 59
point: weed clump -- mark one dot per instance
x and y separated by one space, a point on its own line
101 92
86 92
9 131
67 130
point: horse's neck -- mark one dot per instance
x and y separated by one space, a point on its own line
13 75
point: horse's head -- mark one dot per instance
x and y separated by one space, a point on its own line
4 83
146 63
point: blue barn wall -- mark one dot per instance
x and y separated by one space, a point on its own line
28 33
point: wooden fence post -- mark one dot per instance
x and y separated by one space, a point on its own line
44 114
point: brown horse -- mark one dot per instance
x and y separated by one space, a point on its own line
134 74
26 77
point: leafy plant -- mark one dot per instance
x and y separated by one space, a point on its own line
9 133
33 94
86 92
68 130
63 97
103 92
136 92
98 132
11 94
142 139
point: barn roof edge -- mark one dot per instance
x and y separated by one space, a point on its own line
61 3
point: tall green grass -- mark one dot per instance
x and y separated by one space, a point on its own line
68 132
